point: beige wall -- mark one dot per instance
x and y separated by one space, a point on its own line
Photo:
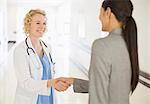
148 41
141 15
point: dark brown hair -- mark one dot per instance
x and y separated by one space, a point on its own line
122 9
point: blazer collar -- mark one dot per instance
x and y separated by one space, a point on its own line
117 31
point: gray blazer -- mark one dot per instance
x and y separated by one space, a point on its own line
110 70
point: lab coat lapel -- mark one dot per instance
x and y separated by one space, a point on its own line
35 58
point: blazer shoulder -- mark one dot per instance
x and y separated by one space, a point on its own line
101 44
101 48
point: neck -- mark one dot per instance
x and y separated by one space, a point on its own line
35 41
114 24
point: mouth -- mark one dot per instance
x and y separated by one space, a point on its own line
40 31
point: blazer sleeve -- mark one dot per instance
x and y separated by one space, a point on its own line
24 77
99 74
81 86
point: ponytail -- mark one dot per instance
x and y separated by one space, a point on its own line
130 37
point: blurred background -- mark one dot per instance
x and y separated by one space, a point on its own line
72 27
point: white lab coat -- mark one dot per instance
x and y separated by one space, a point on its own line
29 73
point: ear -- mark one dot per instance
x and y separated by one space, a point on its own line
108 11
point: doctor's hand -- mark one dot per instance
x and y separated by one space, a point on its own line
63 83
67 80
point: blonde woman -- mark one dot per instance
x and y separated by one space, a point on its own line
34 65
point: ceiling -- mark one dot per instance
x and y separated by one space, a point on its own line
35 2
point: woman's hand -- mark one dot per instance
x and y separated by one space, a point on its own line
60 84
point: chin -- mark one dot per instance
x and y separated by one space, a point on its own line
40 35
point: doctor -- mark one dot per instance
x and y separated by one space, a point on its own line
34 65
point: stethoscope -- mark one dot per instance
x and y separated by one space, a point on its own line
38 66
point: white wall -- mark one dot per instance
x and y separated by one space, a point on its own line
11 19
3 44
92 22
3 34
86 11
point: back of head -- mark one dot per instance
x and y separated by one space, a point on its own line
122 9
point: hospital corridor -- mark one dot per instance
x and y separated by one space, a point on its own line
72 27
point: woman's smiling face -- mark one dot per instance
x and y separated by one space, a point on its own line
38 25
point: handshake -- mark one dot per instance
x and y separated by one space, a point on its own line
60 84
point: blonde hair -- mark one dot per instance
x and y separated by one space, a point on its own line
28 18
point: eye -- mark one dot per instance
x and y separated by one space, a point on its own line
37 23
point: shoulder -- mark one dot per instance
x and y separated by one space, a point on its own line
106 43
100 44
101 49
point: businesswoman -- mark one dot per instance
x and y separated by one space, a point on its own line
34 65
114 68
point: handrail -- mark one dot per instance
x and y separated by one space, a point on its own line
146 76
144 83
